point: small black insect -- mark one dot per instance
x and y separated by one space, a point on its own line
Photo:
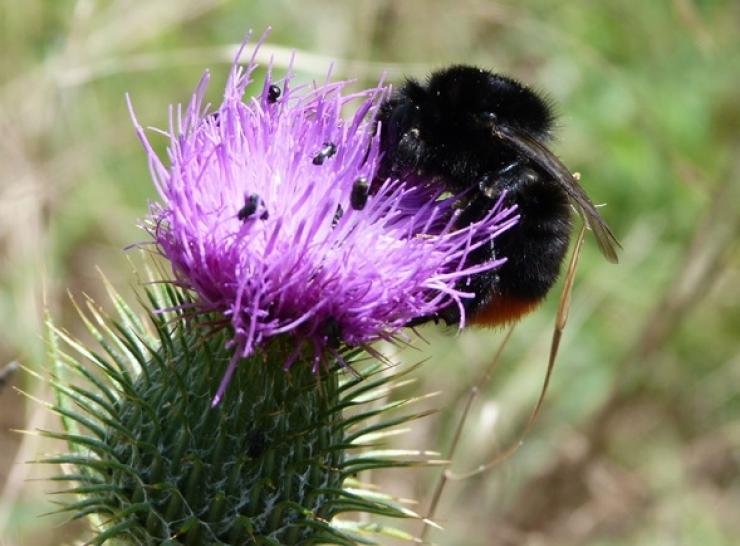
256 444
337 216
333 333
328 149
359 195
273 93
251 204
471 129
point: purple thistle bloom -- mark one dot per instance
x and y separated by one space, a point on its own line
263 216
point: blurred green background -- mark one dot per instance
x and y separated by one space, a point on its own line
638 440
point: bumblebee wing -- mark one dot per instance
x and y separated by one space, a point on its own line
541 155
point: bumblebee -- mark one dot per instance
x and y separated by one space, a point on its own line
480 134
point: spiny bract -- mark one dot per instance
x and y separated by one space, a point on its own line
273 464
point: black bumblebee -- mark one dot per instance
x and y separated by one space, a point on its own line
470 129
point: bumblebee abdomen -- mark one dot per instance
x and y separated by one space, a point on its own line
536 245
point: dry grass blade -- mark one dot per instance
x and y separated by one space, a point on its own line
7 373
472 395
19 471
560 321
278 56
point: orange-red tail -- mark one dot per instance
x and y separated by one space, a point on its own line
504 310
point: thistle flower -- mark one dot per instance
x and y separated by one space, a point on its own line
274 224
263 216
